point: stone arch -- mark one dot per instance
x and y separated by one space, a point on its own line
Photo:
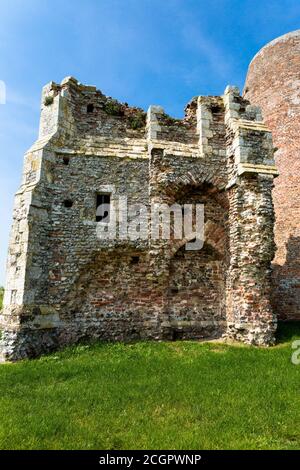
173 186
216 207
212 232
168 178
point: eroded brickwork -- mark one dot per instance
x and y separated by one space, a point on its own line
273 82
65 285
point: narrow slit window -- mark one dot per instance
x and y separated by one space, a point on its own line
103 208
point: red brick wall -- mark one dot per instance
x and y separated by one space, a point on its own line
273 82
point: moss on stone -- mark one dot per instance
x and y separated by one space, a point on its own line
48 100
113 108
138 120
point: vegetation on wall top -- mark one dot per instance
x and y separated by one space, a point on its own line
1 296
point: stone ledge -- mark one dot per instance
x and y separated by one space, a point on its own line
251 168
249 125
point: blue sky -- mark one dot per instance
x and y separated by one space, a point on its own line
139 51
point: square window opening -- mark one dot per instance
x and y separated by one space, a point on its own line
90 108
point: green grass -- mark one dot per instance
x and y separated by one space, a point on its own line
177 395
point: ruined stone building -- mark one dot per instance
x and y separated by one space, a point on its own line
64 284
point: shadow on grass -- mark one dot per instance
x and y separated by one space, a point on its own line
287 331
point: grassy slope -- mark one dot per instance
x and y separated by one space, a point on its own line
180 395
1 296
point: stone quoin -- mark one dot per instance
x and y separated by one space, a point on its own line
65 285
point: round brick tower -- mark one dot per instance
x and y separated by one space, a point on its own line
273 82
